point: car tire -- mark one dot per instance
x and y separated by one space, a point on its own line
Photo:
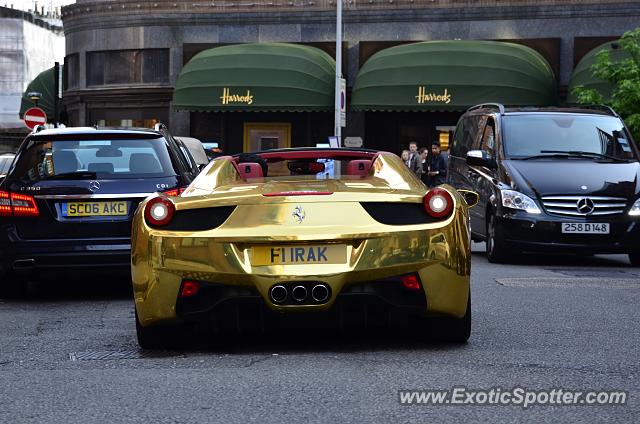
451 330
12 286
495 246
157 336
634 258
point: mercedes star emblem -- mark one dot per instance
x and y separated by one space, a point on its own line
94 186
298 214
585 206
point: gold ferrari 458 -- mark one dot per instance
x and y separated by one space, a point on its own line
303 237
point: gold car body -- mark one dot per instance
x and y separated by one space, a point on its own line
162 259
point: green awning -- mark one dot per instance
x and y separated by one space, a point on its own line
582 73
44 84
257 77
453 75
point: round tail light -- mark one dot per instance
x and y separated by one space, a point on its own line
159 211
438 203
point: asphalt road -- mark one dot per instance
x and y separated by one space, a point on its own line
68 354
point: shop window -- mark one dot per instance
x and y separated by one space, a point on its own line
148 66
71 72
445 135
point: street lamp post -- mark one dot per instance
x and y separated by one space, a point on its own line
338 96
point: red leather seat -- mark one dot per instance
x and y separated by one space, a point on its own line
359 167
250 170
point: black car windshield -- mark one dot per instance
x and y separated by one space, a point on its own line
554 135
104 159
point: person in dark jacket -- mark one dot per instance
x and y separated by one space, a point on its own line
415 164
424 159
438 166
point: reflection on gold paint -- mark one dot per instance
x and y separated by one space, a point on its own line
438 251
389 168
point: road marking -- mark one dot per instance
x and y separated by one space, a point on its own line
596 273
564 283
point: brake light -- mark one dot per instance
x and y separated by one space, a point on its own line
438 203
159 211
17 204
24 205
189 288
411 282
5 204
175 192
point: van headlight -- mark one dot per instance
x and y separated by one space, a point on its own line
516 200
635 209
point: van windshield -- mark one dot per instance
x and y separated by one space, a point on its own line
104 159
545 135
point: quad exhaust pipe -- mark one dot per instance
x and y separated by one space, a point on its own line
299 293
278 293
320 293
296 294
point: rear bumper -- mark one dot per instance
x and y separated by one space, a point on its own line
44 257
543 233
229 310
440 255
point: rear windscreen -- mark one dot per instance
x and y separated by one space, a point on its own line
5 164
107 159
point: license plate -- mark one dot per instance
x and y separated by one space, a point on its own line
299 255
95 208
585 228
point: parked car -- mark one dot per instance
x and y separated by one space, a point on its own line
195 149
67 202
213 149
271 238
549 179
5 163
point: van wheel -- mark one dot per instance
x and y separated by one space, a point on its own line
634 258
496 249
12 286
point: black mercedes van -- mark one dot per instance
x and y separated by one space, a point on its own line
550 180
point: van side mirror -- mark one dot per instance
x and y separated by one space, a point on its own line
480 158
471 197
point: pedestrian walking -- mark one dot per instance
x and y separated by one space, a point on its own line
424 160
415 164
405 157
438 166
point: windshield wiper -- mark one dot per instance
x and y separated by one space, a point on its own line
571 153
76 175
580 153
543 156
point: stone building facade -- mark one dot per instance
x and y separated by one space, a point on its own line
29 44
124 57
